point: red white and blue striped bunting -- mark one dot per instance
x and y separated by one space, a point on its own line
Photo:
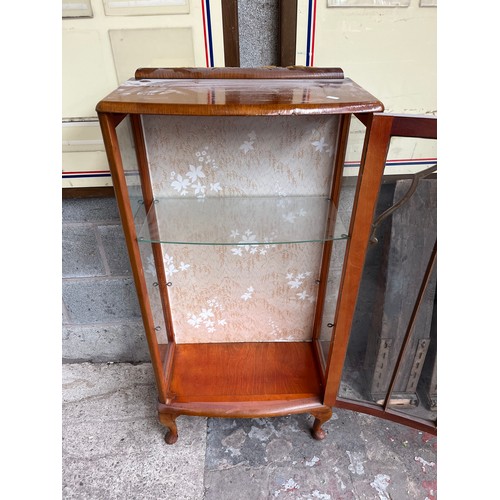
207 33
311 32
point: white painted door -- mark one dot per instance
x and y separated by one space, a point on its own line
103 43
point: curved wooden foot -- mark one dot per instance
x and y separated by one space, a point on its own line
168 420
321 416
170 437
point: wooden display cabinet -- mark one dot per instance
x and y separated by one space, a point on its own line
227 182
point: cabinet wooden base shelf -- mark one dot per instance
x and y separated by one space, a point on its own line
243 380
244 371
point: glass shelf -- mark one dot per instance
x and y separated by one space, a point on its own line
240 221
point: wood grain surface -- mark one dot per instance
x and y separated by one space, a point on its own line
246 371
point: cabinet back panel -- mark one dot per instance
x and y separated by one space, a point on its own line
243 292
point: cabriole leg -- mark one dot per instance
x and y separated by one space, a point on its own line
320 417
168 420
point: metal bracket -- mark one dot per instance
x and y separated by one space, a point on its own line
415 180
418 363
381 364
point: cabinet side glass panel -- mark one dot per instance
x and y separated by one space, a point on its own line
132 178
394 268
253 287
131 170
335 265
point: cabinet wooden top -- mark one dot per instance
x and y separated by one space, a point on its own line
239 91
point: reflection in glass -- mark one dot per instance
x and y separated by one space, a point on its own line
153 287
132 179
130 168
350 177
393 272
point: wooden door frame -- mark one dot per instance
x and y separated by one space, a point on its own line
287 32
388 125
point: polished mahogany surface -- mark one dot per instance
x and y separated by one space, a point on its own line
241 97
245 371
272 72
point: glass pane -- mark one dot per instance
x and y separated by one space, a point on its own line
153 292
357 132
239 221
415 387
131 169
408 156
395 265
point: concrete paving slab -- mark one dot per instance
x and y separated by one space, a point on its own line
113 447
362 457
105 343
113 444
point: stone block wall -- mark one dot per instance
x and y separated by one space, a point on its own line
101 315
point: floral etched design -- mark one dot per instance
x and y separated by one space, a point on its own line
301 285
209 317
291 217
321 146
248 294
248 144
275 328
195 173
248 243
171 268
180 184
195 179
